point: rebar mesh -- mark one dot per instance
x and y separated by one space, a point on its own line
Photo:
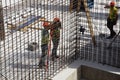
19 57
21 23
103 52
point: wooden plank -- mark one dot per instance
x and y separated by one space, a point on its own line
35 28
89 21
108 6
14 26
30 26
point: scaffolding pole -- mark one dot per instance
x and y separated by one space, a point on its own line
87 15
89 21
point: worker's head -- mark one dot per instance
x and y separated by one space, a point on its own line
46 25
56 19
112 4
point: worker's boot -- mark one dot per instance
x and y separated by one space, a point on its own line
112 35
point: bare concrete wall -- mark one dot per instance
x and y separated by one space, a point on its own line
83 70
73 76
90 73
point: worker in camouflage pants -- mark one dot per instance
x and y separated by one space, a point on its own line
55 35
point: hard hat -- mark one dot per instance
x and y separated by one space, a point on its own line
46 24
112 3
56 19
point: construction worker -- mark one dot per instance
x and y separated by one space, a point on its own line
55 35
112 19
44 44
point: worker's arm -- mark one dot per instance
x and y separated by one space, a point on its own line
108 6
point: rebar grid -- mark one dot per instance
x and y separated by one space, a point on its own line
17 62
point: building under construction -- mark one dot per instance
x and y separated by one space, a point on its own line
82 38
